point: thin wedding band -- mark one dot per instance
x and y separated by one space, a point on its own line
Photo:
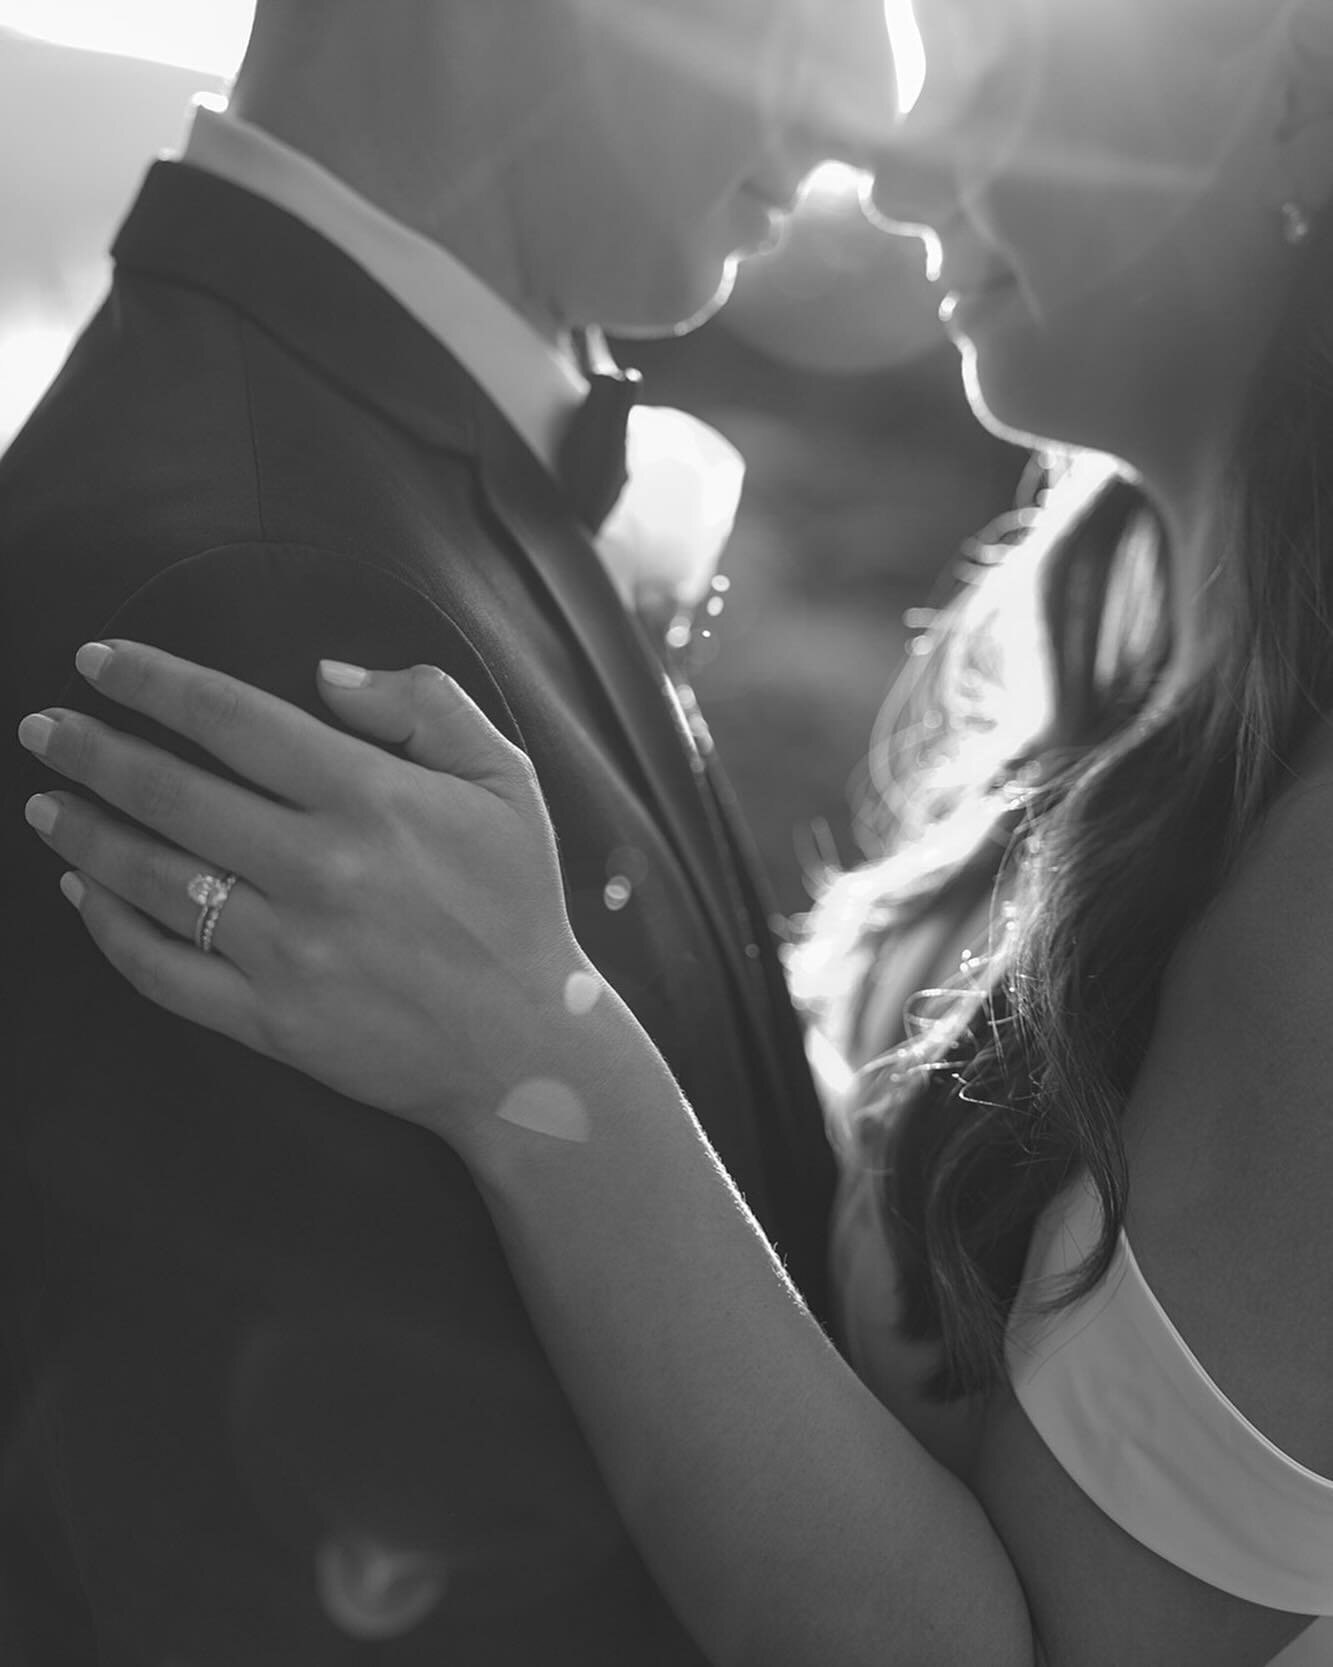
210 892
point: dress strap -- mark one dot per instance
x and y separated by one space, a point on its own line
1121 1401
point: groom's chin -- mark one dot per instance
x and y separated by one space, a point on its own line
694 304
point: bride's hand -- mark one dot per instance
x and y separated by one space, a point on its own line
398 928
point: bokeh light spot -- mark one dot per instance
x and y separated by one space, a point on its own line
31 352
582 993
546 1107
207 37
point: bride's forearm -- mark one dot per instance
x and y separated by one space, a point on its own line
787 1515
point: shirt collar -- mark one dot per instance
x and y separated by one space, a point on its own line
535 386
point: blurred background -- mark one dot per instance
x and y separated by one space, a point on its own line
828 370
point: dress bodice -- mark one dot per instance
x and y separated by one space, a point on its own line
1108 1382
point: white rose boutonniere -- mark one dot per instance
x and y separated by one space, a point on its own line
664 539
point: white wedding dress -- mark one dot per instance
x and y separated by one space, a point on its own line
1108 1382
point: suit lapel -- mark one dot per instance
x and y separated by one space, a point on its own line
637 695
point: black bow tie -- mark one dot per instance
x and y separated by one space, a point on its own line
591 461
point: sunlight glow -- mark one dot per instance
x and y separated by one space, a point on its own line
207 35
31 352
210 35
543 1106
832 182
909 52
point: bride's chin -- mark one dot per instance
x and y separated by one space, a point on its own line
998 405
1017 399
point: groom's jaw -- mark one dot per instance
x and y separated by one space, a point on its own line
594 161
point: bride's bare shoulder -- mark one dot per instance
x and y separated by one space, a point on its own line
1230 1127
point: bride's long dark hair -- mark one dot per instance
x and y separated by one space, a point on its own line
1101 827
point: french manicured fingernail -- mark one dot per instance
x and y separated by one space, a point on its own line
343 676
35 732
73 889
40 812
92 660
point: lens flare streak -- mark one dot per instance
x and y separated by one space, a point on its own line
909 52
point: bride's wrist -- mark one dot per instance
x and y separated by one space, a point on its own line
549 1088
544 1074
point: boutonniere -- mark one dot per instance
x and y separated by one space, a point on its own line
664 540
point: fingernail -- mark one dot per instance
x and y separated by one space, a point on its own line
92 660
35 732
73 889
343 676
40 812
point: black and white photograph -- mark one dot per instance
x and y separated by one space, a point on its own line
668 833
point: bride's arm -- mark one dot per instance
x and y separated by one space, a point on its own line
399 933
789 1518
402 935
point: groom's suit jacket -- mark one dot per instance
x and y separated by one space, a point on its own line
250 1327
